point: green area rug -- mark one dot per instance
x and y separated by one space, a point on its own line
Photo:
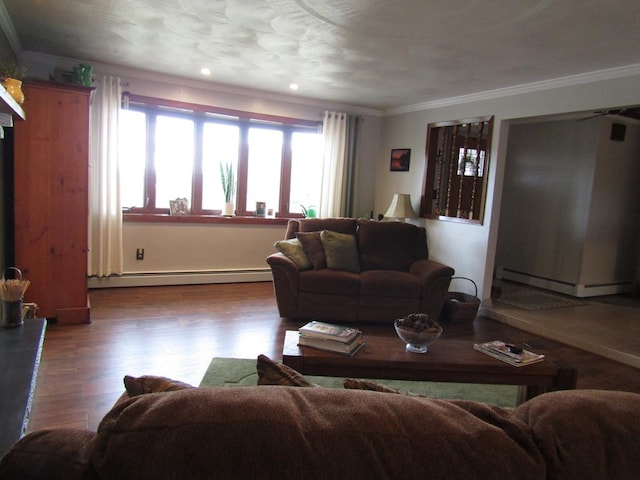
241 372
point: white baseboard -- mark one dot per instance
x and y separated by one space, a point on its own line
181 278
573 289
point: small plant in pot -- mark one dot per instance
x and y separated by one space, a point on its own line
227 178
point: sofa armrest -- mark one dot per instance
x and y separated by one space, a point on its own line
60 453
429 271
285 283
435 278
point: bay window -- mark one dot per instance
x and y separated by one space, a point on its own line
174 150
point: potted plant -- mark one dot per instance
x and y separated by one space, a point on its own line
11 77
227 178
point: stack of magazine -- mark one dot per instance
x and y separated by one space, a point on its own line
331 338
509 353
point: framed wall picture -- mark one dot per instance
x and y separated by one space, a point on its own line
400 158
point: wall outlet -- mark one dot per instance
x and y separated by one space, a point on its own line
140 254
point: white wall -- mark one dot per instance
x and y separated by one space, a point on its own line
612 240
548 181
173 249
470 249
569 221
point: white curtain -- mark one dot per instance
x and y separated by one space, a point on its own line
338 193
105 212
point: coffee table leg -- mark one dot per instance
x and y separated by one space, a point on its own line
565 379
527 392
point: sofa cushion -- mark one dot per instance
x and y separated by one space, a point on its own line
390 245
586 433
360 384
347 226
389 283
329 282
152 384
341 251
54 454
294 251
272 373
293 433
312 246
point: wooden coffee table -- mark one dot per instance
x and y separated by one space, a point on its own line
451 359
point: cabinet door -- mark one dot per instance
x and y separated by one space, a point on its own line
51 199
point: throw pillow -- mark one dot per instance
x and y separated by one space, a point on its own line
272 373
293 250
354 384
150 384
312 245
341 251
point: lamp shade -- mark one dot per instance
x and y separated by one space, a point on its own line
400 207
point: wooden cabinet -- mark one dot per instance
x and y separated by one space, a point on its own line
51 161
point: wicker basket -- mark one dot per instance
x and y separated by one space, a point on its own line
461 307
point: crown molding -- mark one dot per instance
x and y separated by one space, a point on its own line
6 25
140 74
568 81
571 80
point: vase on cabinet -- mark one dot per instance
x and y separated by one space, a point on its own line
14 88
227 210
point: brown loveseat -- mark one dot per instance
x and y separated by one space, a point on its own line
385 273
286 432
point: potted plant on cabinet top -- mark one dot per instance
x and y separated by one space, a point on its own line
227 178
11 77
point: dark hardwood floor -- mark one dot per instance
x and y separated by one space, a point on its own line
175 331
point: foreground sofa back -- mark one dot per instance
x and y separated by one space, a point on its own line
393 276
274 432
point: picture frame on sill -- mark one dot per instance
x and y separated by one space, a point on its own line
179 206
400 159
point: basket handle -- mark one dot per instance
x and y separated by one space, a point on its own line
18 274
465 278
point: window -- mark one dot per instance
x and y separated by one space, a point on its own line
173 150
455 180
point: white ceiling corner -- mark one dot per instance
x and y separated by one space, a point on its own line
374 54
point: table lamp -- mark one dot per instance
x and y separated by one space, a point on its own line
400 207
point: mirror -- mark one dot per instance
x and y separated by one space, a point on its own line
457 158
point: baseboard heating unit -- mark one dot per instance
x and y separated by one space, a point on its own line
152 279
573 289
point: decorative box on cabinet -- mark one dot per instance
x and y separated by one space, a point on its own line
51 161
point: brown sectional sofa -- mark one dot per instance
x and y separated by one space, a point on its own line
286 432
395 277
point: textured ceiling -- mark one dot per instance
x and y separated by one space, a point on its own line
373 53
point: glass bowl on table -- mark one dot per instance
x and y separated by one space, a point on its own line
417 331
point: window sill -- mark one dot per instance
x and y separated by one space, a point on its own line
199 219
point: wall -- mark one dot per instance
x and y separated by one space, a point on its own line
612 243
568 225
191 253
548 181
471 249
6 56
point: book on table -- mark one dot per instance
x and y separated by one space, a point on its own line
350 348
506 352
328 331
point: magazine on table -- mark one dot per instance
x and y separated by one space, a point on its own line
508 353
328 331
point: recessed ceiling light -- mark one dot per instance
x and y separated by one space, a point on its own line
205 71
293 86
